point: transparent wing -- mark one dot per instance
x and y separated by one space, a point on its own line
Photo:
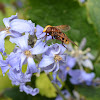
63 28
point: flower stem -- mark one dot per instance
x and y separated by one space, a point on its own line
55 86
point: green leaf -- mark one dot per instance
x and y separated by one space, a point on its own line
97 69
93 9
24 68
45 86
9 47
15 94
90 93
4 82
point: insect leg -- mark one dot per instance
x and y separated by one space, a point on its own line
52 37
64 46
40 34
48 41
43 37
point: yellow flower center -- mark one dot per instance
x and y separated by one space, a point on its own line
7 30
57 58
9 65
67 68
27 53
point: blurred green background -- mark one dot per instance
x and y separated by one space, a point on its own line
84 19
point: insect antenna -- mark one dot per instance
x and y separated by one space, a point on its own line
73 42
40 34
41 38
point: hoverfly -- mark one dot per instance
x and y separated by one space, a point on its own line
57 33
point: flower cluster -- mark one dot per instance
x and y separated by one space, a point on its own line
55 58
82 59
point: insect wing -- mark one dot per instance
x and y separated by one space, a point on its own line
63 28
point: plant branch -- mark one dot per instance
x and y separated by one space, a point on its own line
55 86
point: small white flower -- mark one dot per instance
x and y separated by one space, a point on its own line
82 57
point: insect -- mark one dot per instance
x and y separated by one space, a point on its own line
57 33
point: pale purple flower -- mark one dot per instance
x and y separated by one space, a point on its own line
80 76
22 26
53 58
65 69
19 78
83 58
12 61
0 57
7 31
15 27
29 90
25 52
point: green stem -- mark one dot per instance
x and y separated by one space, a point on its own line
58 90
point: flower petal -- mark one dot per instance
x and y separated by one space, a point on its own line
22 42
75 73
46 61
87 63
56 67
0 57
62 48
71 61
31 68
22 26
90 56
63 74
4 66
39 47
82 44
4 69
39 30
53 50
2 37
87 76
29 90
17 77
23 58
7 21
14 61
55 80
14 34
53 66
